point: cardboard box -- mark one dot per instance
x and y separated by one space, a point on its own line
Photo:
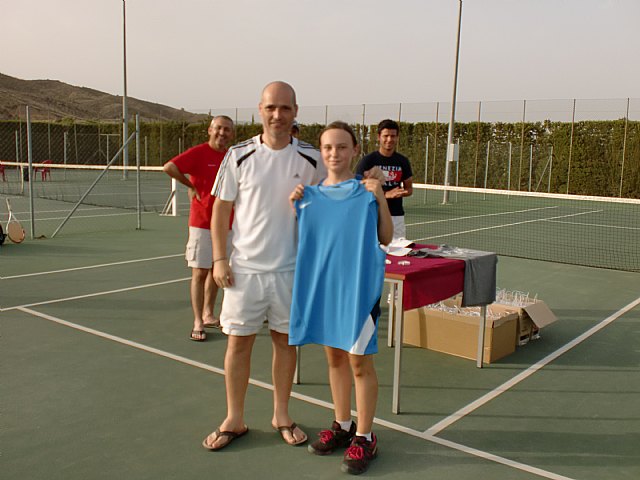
531 318
457 334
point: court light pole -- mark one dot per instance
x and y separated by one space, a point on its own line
125 113
451 147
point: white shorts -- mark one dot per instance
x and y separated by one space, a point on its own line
399 230
199 252
254 298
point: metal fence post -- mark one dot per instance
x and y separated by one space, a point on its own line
426 167
573 120
138 194
624 145
486 168
524 109
530 164
550 168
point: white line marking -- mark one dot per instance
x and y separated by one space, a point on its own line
495 458
88 267
451 419
506 225
122 214
480 216
97 294
595 225
491 191
304 398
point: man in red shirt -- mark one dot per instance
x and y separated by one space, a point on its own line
201 164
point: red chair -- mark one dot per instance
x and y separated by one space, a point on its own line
45 171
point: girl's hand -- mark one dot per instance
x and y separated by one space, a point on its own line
375 172
297 194
374 186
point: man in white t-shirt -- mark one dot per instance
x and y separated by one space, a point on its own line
256 178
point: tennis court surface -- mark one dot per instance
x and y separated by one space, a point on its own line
100 381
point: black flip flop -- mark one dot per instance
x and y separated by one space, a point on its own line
230 436
202 335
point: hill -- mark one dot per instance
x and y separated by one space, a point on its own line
55 100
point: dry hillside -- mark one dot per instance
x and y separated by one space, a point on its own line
54 100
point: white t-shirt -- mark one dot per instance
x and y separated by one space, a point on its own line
259 180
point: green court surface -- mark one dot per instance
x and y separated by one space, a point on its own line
100 381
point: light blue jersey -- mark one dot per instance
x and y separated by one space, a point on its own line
339 269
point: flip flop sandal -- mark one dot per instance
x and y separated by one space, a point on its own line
212 325
284 429
198 335
229 436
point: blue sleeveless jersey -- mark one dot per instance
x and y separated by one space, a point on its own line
339 269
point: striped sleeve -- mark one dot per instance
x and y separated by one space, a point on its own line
225 186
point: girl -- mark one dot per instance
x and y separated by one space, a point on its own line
337 287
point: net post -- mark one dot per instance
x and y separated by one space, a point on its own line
174 197
30 174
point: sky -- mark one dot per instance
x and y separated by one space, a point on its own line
204 55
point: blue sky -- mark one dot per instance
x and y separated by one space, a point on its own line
206 54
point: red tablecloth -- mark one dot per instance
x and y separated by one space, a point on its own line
426 280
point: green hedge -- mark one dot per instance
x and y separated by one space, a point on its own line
596 150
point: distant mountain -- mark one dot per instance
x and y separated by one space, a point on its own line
55 100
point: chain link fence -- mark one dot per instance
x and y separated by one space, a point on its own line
583 147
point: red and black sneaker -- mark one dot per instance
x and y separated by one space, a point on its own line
332 439
359 455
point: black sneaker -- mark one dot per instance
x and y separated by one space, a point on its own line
331 439
359 455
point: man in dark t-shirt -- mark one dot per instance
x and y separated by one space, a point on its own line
396 169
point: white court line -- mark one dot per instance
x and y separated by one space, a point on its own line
595 225
88 267
497 459
479 216
506 225
304 398
451 419
133 212
97 294
66 210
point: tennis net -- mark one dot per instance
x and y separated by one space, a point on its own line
591 231
112 203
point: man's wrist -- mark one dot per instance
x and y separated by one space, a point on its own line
220 259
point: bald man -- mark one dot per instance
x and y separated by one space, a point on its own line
256 179
197 169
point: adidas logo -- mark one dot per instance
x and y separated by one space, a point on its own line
296 176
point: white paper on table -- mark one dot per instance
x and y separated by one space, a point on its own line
398 251
397 247
400 242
